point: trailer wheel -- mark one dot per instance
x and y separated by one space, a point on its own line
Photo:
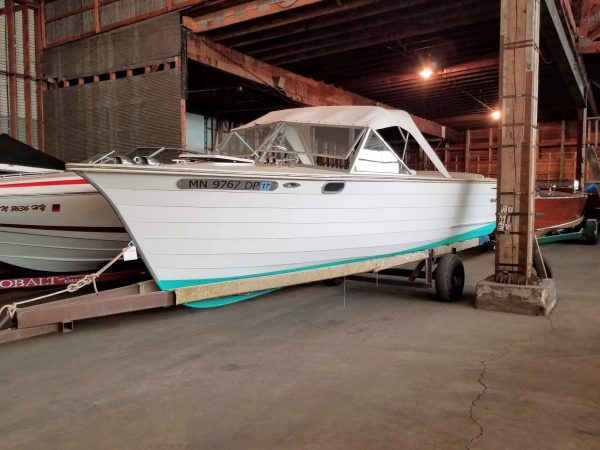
590 231
450 278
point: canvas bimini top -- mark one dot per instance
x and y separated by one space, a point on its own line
361 138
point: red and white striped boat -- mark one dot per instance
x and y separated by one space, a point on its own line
56 222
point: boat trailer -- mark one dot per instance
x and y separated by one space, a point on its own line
59 315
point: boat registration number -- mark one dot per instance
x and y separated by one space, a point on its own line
228 185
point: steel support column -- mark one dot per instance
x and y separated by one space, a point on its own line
519 63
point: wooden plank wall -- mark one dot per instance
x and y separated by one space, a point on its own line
556 158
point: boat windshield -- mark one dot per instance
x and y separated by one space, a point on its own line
307 144
161 155
104 157
244 142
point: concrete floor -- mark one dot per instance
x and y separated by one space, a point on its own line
393 369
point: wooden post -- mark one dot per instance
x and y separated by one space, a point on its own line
580 155
561 174
467 150
12 68
519 64
490 143
97 16
39 85
28 76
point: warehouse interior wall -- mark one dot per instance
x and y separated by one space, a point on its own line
115 91
20 84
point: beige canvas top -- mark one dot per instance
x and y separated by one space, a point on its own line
373 117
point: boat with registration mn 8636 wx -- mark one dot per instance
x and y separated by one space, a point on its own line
294 191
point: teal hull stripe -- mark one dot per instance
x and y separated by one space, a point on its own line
476 233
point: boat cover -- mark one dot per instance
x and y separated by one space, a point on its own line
374 117
15 153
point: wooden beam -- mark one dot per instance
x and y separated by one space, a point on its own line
381 81
329 17
467 150
27 78
581 140
12 68
519 76
562 150
563 50
242 13
359 41
297 88
584 17
38 17
96 16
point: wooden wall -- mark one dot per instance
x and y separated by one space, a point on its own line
556 161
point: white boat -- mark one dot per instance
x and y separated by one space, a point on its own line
56 222
308 188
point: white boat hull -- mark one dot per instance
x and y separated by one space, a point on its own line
198 236
57 223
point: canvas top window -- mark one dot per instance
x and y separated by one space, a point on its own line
389 150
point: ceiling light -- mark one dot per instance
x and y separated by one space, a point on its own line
426 73
496 114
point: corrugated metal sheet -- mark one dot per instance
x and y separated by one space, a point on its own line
119 114
144 42
69 26
60 7
124 9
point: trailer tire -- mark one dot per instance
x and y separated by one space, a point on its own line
450 278
590 231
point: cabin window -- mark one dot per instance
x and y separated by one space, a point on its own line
378 157
243 143
405 146
313 145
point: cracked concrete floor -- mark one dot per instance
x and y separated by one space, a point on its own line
295 370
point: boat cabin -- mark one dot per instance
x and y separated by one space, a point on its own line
358 139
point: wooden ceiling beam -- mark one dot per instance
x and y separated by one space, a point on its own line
381 82
295 87
308 29
292 18
354 27
242 13
360 41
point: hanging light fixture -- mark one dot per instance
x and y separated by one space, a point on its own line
426 73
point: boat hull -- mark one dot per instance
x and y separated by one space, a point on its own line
558 210
199 236
57 223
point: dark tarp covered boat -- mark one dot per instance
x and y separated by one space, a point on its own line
17 157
